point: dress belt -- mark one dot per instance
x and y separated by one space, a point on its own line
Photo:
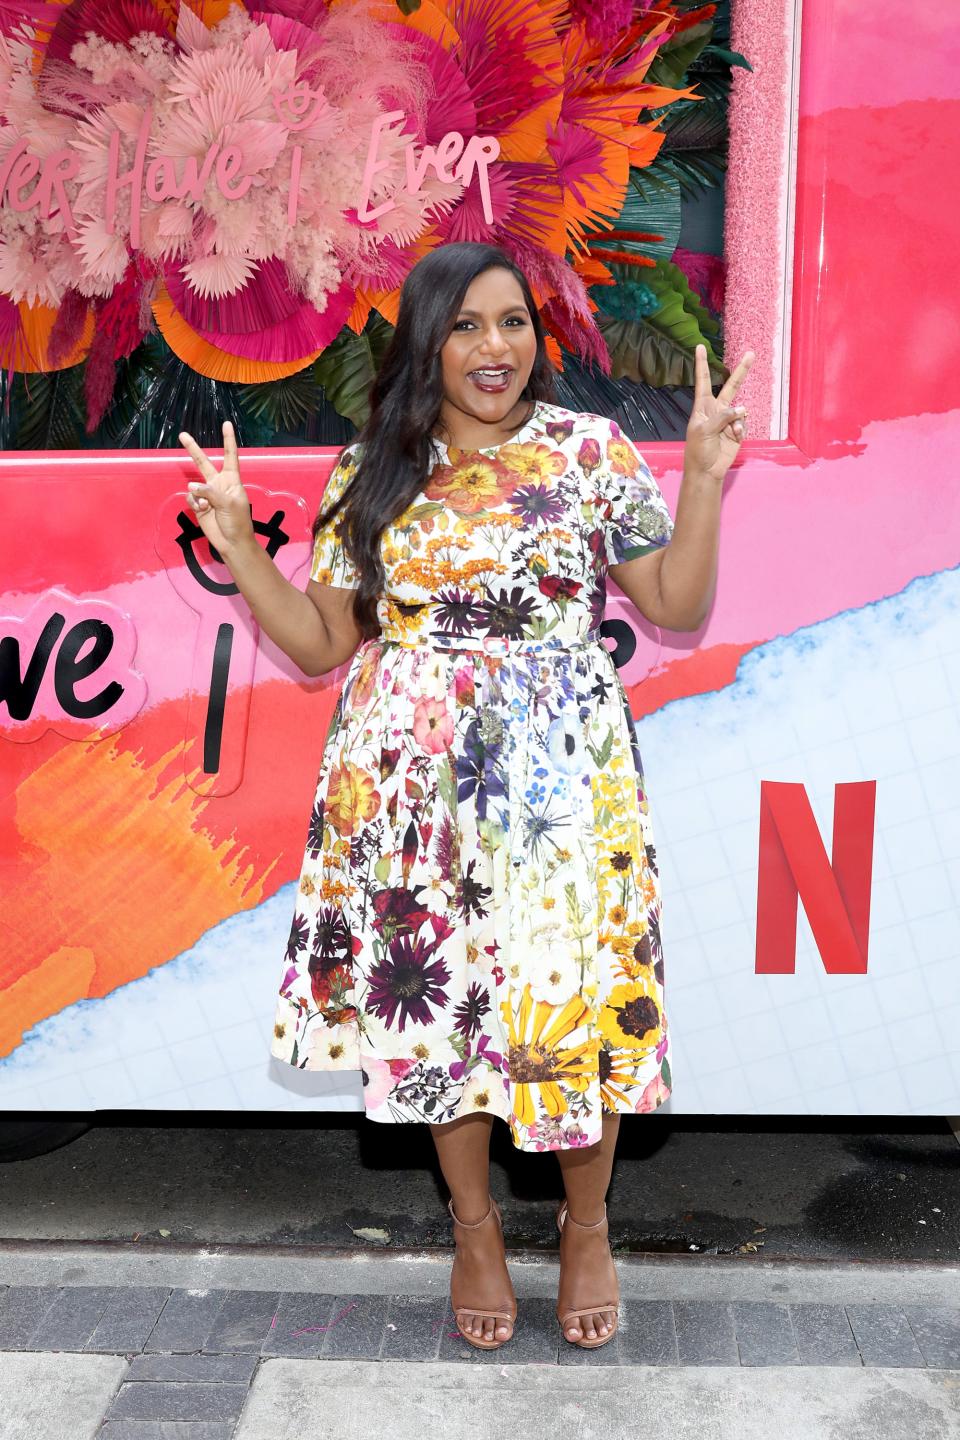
490 644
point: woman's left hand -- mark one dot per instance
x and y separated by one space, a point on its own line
717 426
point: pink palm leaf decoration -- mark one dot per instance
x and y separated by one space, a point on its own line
29 20
248 238
117 22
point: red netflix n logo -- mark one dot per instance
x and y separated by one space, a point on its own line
794 865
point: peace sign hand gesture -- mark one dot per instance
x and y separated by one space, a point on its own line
220 505
717 426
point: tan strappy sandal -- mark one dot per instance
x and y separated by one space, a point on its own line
458 1310
591 1308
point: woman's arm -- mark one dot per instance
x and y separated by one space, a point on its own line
315 627
674 587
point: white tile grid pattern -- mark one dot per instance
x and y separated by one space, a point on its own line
814 1043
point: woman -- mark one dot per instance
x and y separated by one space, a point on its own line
477 923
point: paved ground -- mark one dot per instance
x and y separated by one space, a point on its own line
281 1282
103 1341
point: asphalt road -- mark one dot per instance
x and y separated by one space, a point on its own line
862 1189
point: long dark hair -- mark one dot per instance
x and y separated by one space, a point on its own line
405 398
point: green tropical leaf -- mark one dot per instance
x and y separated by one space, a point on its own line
726 57
348 366
655 209
694 171
676 55
695 125
284 404
643 410
130 419
712 85
660 348
665 280
47 411
668 279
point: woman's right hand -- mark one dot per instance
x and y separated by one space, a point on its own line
219 502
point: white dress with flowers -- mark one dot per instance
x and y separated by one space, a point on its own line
477 924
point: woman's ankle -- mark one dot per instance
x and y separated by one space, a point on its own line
585 1217
471 1210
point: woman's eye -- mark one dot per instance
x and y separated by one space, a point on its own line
518 318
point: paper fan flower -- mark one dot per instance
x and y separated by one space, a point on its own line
563 106
245 146
214 160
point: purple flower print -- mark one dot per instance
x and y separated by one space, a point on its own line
538 504
408 982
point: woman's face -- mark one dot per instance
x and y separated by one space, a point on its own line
492 331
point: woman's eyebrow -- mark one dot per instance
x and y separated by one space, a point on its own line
475 314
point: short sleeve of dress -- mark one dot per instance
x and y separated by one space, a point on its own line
637 518
331 565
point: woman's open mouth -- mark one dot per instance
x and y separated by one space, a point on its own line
494 380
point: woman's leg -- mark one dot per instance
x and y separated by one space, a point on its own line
480 1267
586 1265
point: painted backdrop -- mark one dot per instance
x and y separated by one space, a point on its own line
157 760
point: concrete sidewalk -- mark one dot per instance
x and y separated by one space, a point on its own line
244 1343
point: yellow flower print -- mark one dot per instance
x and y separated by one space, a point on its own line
622 457
467 485
405 623
634 956
617 1082
539 1061
630 1019
618 915
352 799
532 462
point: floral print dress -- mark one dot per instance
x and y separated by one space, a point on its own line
477 924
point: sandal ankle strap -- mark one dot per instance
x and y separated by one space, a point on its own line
564 1215
477 1223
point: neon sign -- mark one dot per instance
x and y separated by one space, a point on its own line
30 181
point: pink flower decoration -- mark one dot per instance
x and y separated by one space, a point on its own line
264 320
